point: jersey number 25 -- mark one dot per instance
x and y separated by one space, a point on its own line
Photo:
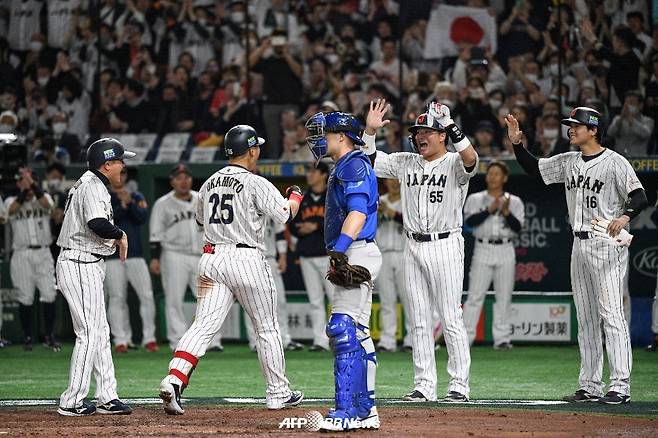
225 209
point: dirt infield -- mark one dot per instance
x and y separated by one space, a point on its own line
454 422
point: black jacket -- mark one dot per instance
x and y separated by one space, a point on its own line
311 210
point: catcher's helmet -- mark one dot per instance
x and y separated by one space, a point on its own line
424 121
583 115
106 149
319 124
239 139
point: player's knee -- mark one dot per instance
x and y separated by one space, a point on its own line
341 331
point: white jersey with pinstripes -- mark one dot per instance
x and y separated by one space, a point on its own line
235 204
494 226
88 199
594 188
390 233
433 192
30 224
271 230
173 224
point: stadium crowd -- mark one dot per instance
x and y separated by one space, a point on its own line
73 70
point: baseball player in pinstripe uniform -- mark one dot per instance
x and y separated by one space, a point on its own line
276 251
496 216
87 238
234 205
31 263
130 213
3 219
390 283
308 228
434 183
176 243
598 182
349 231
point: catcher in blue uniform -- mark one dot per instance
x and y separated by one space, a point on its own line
355 260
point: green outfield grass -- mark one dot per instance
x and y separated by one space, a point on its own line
530 373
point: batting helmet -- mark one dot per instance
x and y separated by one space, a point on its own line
239 139
424 121
106 149
319 124
583 115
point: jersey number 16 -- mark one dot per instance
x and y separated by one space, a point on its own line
225 209
590 201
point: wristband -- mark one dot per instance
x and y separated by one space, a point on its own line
369 147
457 137
281 246
343 242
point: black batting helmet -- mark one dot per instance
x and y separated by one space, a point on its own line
106 149
239 139
424 121
584 115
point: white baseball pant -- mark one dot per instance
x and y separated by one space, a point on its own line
80 277
281 310
597 275
118 274
314 271
30 269
497 263
435 276
391 285
179 271
243 274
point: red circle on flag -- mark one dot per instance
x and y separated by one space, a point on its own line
465 29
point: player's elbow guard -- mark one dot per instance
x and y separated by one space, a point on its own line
369 147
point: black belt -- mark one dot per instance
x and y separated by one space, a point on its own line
37 247
102 257
582 235
365 240
99 256
418 237
209 248
494 241
244 245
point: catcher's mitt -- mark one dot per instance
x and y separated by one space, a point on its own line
342 274
600 230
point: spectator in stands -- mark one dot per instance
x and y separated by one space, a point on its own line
631 129
77 105
643 42
133 115
520 32
174 114
484 139
64 139
277 17
549 142
387 69
473 105
36 114
8 122
282 87
46 151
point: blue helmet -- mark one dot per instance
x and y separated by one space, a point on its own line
319 124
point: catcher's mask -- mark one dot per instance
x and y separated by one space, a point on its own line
319 124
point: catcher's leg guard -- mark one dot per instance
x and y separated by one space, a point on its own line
348 364
365 398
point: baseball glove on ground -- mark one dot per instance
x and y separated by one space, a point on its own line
342 274
600 230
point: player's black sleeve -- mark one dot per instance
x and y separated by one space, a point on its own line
398 217
104 228
476 219
636 203
529 162
513 222
372 157
156 249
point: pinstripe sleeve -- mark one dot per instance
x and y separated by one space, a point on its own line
200 205
269 201
626 178
463 175
95 203
156 223
517 208
471 207
552 169
390 165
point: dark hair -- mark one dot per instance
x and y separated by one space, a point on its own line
56 166
135 87
387 40
635 14
501 165
625 34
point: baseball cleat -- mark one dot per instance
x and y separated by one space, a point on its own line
114 407
27 344
152 347
408 348
614 398
415 396
371 421
383 349
581 396
83 410
295 398
121 348
654 344
4 343
316 347
294 346
51 342
216 349
454 397
170 395
503 346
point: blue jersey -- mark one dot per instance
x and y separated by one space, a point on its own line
353 173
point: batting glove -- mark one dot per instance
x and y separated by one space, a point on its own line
600 230
294 193
441 113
